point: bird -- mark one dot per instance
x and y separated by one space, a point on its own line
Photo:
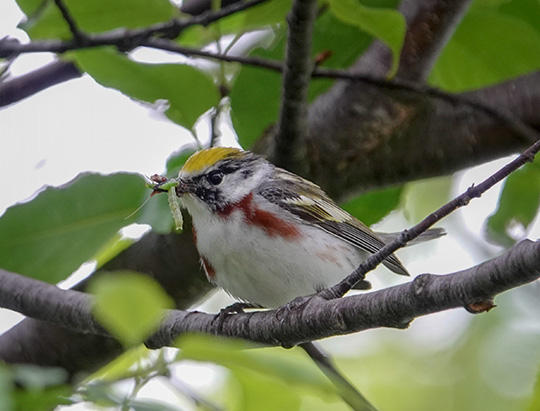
267 236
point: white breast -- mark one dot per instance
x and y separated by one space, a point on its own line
262 267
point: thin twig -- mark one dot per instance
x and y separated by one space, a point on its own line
346 390
511 121
8 47
472 192
121 38
431 23
78 35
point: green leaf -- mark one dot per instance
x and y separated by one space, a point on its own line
130 305
52 235
262 88
124 366
187 91
46 21
534 405
258 391
6 387
177 160
345 42
39 388
38 378
42 400
487 48
375 205
385 24
526 10
290 368
255 88
255 18
518 205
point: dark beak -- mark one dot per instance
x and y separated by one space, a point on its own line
163 185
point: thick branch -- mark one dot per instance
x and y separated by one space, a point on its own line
170 259
29 84
475 191
363 136
291 127
430 23
318 318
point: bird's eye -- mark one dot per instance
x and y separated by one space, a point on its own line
215 178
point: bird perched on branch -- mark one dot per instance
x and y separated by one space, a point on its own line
267 236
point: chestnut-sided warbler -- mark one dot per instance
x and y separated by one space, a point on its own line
266 235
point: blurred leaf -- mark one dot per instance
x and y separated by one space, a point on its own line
526 10
518 205
375 205
421 198
285 366
121 366
257 391
129 304
385 24
50 236
534 405
38 378
46 21
187 91
42 400
150 405
111 249
488 47
6 387
39 388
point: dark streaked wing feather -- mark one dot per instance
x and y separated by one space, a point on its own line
307 201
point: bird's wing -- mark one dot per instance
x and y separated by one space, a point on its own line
311 204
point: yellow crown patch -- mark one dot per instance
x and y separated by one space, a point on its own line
205 158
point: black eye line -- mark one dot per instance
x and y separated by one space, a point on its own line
227 168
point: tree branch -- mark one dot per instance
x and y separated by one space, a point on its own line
291 128
29 84
318 318
475 191
430 23
172 260
399 135
346 390
123 39
55 73
78 36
